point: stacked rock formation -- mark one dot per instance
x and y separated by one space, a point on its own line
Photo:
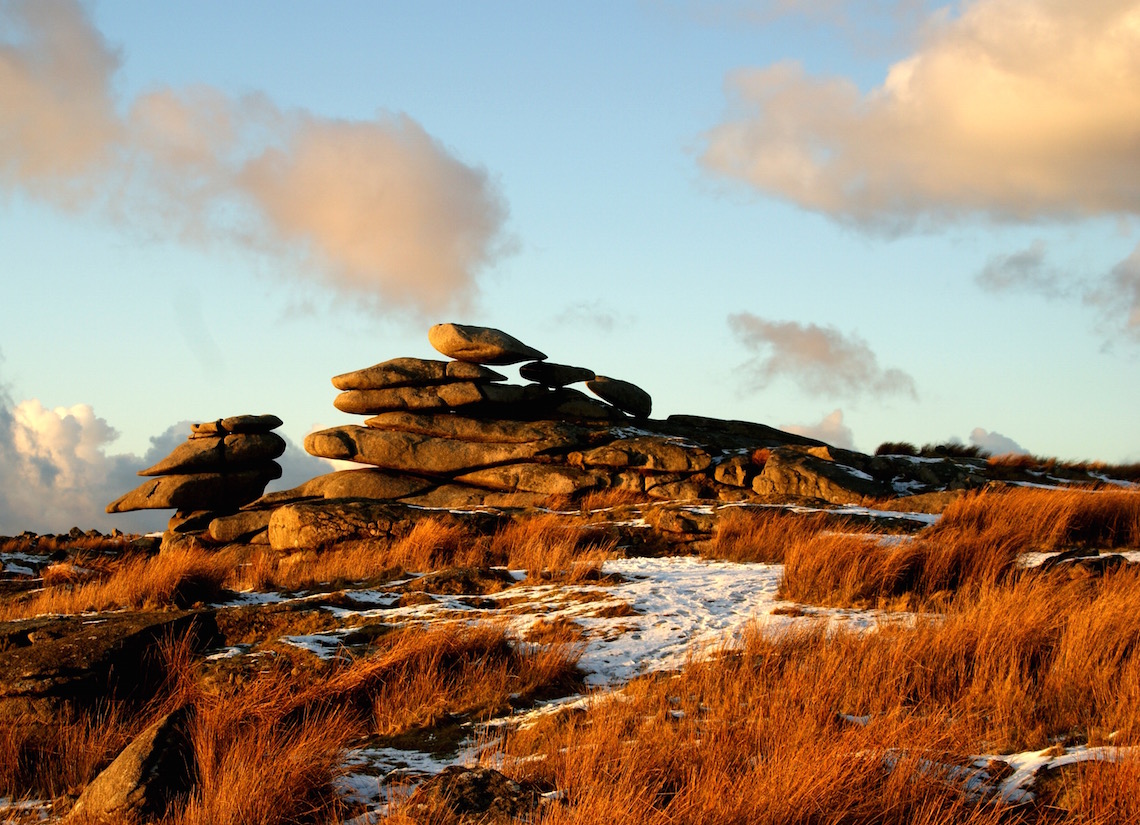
221 466
454 434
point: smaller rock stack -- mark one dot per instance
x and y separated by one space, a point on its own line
222 465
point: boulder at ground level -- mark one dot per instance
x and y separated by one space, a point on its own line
147 777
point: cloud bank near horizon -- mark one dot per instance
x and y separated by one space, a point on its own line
830 430
377 208
821 360
57 470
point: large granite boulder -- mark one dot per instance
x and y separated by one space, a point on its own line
417 453
306 525
480 345
414 372
791 473
646 452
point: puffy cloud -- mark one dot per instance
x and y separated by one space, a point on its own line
1013 108
822 360
994 442
378 208
831 430
55 472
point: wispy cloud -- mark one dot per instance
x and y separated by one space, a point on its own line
378 208
1116 294
821 360
831 430
1027 269
1015 109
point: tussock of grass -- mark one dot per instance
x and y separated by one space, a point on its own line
755 535
1036 519
976 544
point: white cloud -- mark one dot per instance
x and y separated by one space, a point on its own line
56 473
821 360
57 470
1015 109
831 430
995 443
378 208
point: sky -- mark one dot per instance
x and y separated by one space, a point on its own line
863 221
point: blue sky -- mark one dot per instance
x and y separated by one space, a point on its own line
869 221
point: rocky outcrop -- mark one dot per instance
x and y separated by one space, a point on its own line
458 434
223 464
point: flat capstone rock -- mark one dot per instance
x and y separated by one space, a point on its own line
481 345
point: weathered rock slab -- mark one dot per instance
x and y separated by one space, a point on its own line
198 491
438 397
791 473
212 454
550 374
414 372
546 479
417 453
306 525
625 396
480 345
238 424
645 452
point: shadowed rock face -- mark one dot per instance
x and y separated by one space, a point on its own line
51 662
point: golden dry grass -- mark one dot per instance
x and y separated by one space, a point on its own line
758 735
975 544
763 535
180 577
